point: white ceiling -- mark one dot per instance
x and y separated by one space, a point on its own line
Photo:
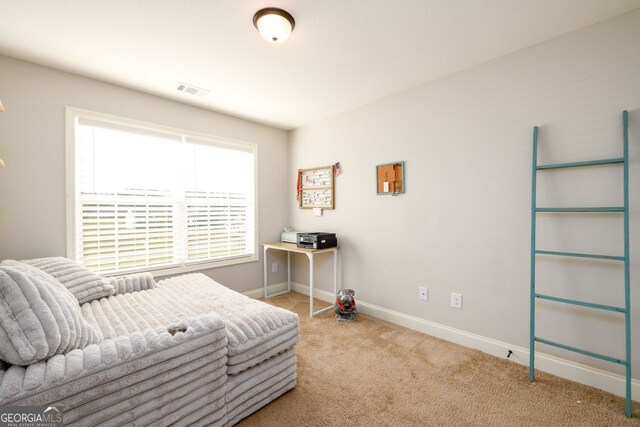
342 53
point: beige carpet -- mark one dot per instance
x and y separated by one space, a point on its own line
374 373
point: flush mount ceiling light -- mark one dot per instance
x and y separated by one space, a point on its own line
274 25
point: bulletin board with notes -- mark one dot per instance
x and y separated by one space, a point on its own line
390 178
317 188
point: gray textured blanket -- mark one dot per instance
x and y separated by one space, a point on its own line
256 331
127 378
187 351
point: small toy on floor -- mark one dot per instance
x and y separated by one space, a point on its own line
346 305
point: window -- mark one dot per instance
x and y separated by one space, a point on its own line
144 197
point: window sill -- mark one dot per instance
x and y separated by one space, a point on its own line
172 271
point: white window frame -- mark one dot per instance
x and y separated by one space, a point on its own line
73 115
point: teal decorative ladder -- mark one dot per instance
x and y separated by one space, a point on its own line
626 310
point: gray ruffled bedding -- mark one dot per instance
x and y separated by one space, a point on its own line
186 351
256 387
125 378
256 331
132 283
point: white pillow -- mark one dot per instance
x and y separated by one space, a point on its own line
83 283
39 317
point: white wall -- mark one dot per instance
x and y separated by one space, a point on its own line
464 223
32 144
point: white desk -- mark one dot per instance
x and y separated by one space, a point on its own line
310 253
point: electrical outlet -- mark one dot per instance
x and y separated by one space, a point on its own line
274 267
423 293
456 300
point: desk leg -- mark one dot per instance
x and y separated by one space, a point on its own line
335 285
265 273
289 270
310 255
335 273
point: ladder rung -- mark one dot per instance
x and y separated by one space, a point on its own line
582 304
597 209
579 255
579 350
578 164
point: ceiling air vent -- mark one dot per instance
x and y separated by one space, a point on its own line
192 90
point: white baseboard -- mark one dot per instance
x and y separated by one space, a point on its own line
598 378
272 289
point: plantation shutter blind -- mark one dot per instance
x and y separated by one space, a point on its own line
148 200
220 202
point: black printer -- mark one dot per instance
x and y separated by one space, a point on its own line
318 240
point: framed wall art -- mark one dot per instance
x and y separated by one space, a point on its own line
316 186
